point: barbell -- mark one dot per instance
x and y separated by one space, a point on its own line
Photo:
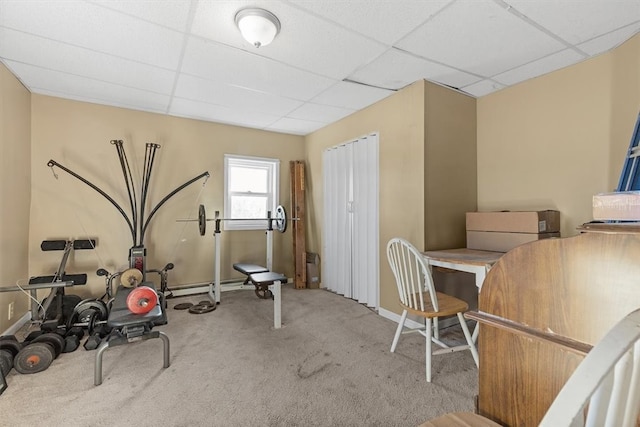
277 222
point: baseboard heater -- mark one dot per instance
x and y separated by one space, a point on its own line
203 288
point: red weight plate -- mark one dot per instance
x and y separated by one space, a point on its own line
141 300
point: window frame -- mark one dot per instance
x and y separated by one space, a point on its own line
273 185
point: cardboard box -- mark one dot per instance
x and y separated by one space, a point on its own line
622 206
502 242
313 270
515 221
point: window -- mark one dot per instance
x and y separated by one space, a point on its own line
250 190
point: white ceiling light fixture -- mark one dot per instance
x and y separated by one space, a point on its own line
258 26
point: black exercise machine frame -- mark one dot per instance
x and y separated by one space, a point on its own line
137 223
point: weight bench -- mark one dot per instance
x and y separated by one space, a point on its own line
271 282
248 270
128 327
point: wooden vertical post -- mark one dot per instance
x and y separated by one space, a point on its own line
297 226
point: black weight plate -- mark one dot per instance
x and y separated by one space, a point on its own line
6 362
201 309
264 293
35 357
91 323
12 346
206 302
56 341
202 220
183 306
9 338
87 304
85 315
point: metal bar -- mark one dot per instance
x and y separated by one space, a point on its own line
37 286
52 163
149 157
167 197
128 180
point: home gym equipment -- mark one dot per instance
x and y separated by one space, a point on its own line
56 307
277 222
137 223
202 307
248 270
34 357
142 300
272 282
128 326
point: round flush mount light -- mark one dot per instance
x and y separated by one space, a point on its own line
258 26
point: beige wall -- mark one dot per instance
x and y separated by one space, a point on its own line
400 121
15 192
450 166
555 141
77 135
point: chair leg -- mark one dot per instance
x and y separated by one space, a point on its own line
428 336
403 318
436 329
469 338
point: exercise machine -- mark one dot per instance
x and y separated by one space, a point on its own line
55 308
137 223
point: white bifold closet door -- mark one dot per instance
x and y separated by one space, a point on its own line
350 233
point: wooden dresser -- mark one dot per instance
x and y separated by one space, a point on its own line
542 307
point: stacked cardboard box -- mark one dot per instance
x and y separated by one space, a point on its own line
618 206
504 230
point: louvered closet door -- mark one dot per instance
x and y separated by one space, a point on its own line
350 235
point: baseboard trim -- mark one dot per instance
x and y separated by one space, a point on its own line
409 323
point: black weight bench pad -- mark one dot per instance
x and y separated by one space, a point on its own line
249 269
120 316
77 279
267 278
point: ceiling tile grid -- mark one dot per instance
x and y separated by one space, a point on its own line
330 59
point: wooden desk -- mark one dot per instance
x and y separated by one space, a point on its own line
469 260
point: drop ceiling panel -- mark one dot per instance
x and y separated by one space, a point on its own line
217 113
173 14
482 88
96 28
199 89
383 72
609 40
56 56
224 64
295 126
320 113
351 95
577 24
382 20
64 85
481 37
541 66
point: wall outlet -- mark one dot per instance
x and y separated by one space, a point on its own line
11 310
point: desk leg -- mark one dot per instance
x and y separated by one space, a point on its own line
277 304
481 274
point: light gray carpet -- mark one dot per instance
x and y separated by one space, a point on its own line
329 365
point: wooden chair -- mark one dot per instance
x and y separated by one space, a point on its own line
419 297
603 391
